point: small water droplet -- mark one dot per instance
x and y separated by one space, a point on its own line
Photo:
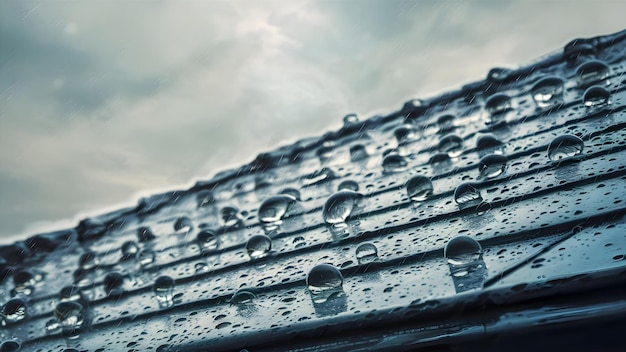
445 122
24 282
69 315
595 96
419 188
323 281
230 216
499 74
299 242
183 225
394 162
205 198
163 290
88 260
129 250
462 250
10 346
548 91
366 253
52 326
114 284
292 192
467 195
592 72
358 152
482 208
488 141
70 293
201 267
145 257
339 206
405 133
350 119
451 144
439 158
323 175
14 310
144 234
565 146
207 240
242 297
492 165
497 104
274 208
258 246
348 185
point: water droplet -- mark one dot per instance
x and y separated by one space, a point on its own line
405 133
299 242
10 346
358 152
350 119
129 250
499 74
451 144
24 281
482 208
242 297
70 293
548 91
565 146
419 188
339 206
274 208
348 185
467 195
69 314
114 284
497 104
292 192
207 240
258 246
592 72
144 234
163 290
205 198
439 158
394 162
462 250
578 48
492 165
366 253
183 225
88 260
413 109
230 216
445 122
326 151
322 279
52 326
323 175
145 257
488 141
595 96
14 310
201 267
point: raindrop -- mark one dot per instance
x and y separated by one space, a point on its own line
144 234
204 198
69 314
592 72
24 281
348 185
274 208
462 250
258 246
52 326
548 91
145 257
419 188
467 195
88 260
129 250
499 74
366 253
163 290
394 163
445 122
595 96
439 158
299 242
488 141
565 146
114 284
497 104
451 144
183 225
70 293
10 346
242 297
324 277
14 310
492 165
405 133
291 192
350 119
201 267
482 208
207 240
323 175
230 216
358 152
339 206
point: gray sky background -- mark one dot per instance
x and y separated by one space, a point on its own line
104 101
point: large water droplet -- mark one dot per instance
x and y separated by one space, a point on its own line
70 293
348 185
114 284
258 246
366 253
207 240
358 152
88 260
488 141
129 250
242 297
595 96
419 188
592 72
323 281
14 310
548 91
405 133
273 209
462 250
69 314
163 290
451 144
339 206
292 192
183 225
492 165
497 104
394 162
10 346
467 195
445 122
565 146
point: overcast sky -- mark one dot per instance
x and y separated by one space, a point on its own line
104 101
